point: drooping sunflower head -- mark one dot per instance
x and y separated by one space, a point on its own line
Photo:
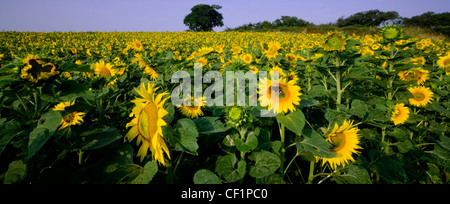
194 107
421 96
444 62
420 75
36 69
147 123
151 72
400 114
391 33
280 96
291 58
335 41
205 50
344 142
103 69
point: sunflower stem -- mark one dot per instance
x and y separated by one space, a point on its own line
283 150
311 172
80 157
338 89
242 133
338 84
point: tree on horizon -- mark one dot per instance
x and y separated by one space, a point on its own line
204 17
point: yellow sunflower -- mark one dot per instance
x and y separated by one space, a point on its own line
420 75
205 50
137 45
192 111
104 69
335 42
288 95
421 96
35 69
150 71
147 121
247 58
202 61
73 118
400 114
344 142
444 62
279 70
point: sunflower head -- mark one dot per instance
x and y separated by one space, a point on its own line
335 41
36 69
391 33
205 50
103 69
344 142
192 107
137 45
421 96
444 62
247 58
147 123
420 75
71 118
279 96
400 114
237 116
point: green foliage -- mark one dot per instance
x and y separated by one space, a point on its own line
290 148
368 18
204 17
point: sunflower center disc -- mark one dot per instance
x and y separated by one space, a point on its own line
148 120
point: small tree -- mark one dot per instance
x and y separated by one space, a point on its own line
204 18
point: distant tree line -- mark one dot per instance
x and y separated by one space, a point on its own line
372 18
284 21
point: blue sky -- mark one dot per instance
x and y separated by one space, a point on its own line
168 15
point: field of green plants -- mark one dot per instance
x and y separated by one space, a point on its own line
97 107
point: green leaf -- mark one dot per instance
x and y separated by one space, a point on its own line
334 117
72 67
266 163
442 148
359 108
205 176
147 173
250 144
185 136
46 127
355 175
271 179
314 142
405 146
16 172
74 90
399 134
226 168
5 80
390 171
294 121
210 125
97 138
7 132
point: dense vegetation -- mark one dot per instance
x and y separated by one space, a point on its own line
358 23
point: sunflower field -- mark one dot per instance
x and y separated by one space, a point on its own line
96 107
